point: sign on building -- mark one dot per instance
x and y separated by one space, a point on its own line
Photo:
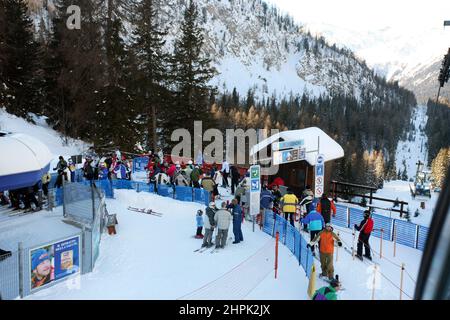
320 176
286 156
276 146
255 189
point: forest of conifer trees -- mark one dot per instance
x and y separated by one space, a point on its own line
97 85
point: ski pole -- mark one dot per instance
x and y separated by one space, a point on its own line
353 246
337 249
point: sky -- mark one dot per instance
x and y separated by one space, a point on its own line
370 14
391 35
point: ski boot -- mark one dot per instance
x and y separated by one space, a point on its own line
368 257
359 257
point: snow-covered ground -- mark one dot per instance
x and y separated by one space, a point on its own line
400 189
416 149
410 151
41 131
153 258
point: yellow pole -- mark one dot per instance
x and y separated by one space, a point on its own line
312 282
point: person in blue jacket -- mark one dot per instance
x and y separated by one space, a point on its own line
199 220
315 223
266 201
237 221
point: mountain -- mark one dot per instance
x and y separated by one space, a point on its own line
254 47
413 61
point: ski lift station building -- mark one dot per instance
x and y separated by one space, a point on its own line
24 161
295 153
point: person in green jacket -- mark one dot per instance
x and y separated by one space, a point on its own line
329 292
195 177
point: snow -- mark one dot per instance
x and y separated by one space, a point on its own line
42 132
152 258
400 189
416 150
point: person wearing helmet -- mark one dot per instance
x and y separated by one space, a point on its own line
209 225
315 223
199 220
328 292
365 229
326 248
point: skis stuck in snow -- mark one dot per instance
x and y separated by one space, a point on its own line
146 211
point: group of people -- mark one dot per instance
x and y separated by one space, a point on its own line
220 219
316 219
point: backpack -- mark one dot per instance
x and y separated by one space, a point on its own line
321 296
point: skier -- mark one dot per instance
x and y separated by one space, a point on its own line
45 180
276 195
237 221
289 202
225 172
235 176
88 169
266 203
60 167
209 225
329 292
326 248
365 229
195 177
326 207
199 219
120 170
180 179
222 219
315 223
72 169
307 202
3 199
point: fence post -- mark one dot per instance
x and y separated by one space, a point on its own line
348 217
20 252
381 243
353 244
401 280
277 237
285 231
416 242
395 238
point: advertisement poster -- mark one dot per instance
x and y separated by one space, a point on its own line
55 261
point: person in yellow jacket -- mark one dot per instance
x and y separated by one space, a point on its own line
289 203
45 182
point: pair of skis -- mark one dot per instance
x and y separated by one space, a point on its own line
212 248
146 211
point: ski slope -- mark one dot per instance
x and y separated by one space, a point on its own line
153 258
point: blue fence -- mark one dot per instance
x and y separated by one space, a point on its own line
291 237
179 193
407 233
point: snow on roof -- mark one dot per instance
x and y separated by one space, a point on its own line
22 153
311 136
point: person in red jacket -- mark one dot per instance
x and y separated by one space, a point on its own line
365 229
